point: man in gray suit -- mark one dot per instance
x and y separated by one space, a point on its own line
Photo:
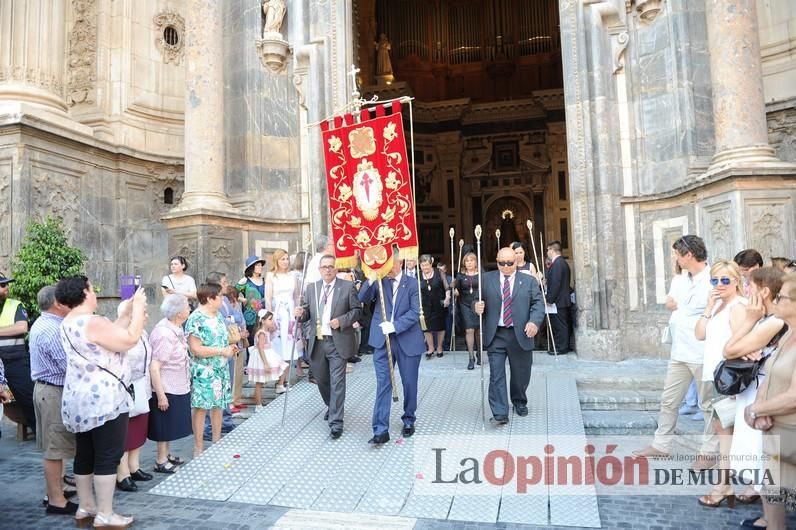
513 310
332 302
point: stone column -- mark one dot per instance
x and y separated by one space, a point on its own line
204 108
735 69
33 52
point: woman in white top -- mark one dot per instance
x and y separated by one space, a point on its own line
281 297
177 282
722 317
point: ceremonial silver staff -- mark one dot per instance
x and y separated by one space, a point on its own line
461 245
480 324
296 327
540 268
451 232
497 236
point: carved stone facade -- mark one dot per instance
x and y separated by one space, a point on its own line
170 30
82 58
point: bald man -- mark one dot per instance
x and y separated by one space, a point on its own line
513 309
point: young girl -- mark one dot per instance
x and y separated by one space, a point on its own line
265 364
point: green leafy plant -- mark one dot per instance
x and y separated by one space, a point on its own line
45 256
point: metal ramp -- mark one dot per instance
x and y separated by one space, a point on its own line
299 466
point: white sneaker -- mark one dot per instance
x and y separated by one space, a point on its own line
280 389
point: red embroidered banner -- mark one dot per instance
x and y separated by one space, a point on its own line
370 192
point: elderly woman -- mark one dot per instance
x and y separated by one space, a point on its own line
435 296
170 405
210 351
96 397
774 411
138 358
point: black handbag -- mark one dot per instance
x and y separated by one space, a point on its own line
733 376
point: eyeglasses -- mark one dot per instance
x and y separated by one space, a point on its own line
327 267
505 263
685 244
724 281
780 296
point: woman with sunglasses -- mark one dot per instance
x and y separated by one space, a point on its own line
722 317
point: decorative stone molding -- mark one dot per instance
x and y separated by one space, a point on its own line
162 179
768 227
648 10
619 45
170 28
58 195
82 60
273 51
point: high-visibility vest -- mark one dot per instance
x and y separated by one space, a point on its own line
7 319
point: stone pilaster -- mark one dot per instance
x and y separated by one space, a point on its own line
32 52
738 105
204 109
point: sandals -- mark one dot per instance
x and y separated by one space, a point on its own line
710 501
113 521
166 467
175 460
747 499
84 518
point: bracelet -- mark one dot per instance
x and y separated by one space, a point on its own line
705 317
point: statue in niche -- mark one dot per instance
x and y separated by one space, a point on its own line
383 62
273 14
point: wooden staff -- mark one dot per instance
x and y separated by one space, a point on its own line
540 268
481 324
451 232
296 327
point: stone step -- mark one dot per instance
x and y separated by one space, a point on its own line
633 422
599 399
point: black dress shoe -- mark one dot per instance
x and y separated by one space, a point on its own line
521 410
140 475
336 433
500 420
127 485
478 358
380 439
354 359
326 416
408 430
471 364
69 509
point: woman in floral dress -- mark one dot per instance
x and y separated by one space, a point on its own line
210 352
281 297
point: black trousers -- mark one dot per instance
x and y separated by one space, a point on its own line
562 328
99 450
18 377
505 347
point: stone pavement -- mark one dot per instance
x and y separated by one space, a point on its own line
20 466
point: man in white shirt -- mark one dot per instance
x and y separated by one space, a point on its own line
687 353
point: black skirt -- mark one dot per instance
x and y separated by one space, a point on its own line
173 424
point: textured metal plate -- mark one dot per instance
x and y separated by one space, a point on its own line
564 418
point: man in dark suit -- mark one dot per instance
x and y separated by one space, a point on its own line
333 302
560 294
513 309
402 325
